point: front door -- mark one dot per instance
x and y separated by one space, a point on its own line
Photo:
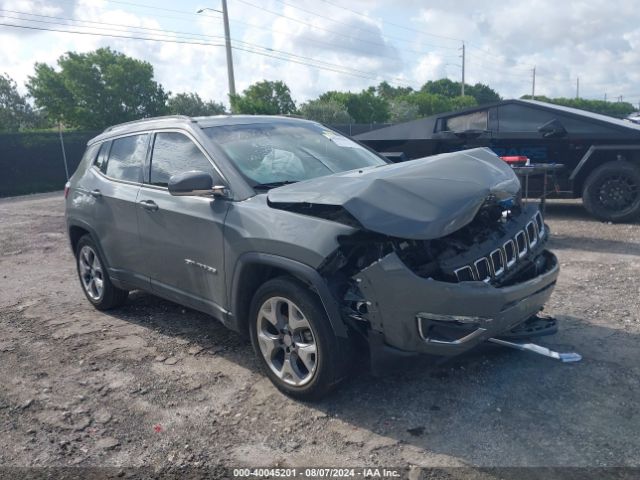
182 237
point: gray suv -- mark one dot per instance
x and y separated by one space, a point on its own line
310 244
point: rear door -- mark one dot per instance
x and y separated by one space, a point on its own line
116 179
181 237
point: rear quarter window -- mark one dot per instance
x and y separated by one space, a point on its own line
126 158
469 121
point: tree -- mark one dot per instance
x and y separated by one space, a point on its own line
482 93
450 89
402 111
325 111
386 91
363 107
428 103
96 89
613 109
444 87
458 103
264 98
192 105
15 112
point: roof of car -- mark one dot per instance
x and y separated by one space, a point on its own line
183 120
424 127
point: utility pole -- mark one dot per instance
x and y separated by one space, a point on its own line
227 43
463 61
533 84
577 87
605 97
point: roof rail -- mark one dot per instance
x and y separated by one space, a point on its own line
149 119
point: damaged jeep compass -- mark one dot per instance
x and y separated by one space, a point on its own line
310 244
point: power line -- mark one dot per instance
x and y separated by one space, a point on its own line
404 27
366 29
96 34
269 29
164 32
326 66
311 25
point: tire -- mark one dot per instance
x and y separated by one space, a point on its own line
612 192
286 319
94 279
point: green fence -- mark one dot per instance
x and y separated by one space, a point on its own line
32 162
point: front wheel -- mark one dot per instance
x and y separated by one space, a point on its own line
612 192
294 341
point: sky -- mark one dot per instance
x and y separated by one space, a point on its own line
319 45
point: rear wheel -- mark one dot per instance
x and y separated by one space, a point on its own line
612 192
94 278
294 341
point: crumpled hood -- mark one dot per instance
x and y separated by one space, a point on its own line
419 199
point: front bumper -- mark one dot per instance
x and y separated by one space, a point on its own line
422 315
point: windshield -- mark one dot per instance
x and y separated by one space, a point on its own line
270 154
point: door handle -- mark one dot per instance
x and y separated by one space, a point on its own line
95 193
149 205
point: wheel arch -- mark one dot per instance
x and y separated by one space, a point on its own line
254 268
598 155
77 229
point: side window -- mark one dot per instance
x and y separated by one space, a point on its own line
175 153
469 121
101 161
126 158
90 154
517 118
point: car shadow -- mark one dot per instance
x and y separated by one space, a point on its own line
567 210
496 402
590 244
190 326
571 210
491 403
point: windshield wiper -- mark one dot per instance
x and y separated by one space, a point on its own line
269 185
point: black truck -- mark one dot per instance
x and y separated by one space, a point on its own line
600 154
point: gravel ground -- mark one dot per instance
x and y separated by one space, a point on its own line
154 384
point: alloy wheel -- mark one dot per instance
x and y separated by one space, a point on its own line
91 273
618 192
287 341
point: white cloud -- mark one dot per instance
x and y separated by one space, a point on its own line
596 40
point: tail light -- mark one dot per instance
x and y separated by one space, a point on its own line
516 160
66 190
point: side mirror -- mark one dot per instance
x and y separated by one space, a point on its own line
196 183
552 129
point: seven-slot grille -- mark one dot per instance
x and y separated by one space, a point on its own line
502 259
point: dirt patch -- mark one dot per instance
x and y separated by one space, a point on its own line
154 384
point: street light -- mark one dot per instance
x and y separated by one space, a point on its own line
227 41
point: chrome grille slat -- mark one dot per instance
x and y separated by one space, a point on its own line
483 271
539 223
502 259
465 274
532 237
497 264
509 249
521 244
